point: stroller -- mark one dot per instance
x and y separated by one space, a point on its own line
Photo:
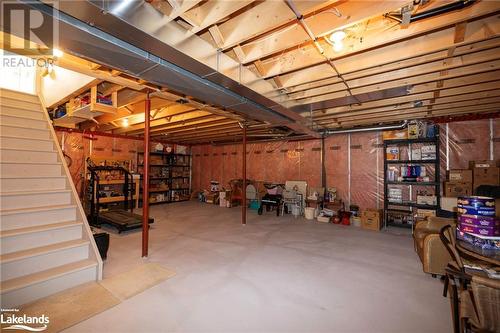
272 199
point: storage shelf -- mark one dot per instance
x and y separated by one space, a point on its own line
411 162
163 153
114 199
412 204
400 225
412 183
410 141
408 207
158 191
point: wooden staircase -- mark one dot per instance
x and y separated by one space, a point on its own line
46 243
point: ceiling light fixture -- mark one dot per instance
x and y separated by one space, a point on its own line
57 53
125 122
336 39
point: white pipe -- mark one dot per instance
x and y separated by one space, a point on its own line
367 129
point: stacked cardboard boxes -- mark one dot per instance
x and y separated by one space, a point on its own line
459 183
484 173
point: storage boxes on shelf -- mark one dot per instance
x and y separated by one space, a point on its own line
169 176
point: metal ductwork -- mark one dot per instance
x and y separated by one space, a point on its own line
88 31
367 129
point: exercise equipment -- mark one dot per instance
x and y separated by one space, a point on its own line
120 218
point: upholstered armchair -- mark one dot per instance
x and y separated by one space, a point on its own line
429 247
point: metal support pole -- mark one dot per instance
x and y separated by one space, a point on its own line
323 168
145 180
244 189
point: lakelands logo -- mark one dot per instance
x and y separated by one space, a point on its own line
14 321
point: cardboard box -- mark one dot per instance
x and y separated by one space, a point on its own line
371 219
449 204
395 135
427 200
486 176
392 153
460 175
456 189
425 213
482 164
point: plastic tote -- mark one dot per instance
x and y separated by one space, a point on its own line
309 213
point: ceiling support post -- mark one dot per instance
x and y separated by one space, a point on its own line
145 179
244 172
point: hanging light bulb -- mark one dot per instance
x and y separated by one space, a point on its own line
337 36
336 39
338 46
125 122
57 53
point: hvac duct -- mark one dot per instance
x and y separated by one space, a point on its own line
92 33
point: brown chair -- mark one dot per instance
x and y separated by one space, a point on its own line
430 249
475 299
480 304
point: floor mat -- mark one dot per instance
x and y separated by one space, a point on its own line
133 282
71 306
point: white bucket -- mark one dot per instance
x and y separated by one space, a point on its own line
356 221
309 213
295 210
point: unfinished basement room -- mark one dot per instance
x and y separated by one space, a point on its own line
250 166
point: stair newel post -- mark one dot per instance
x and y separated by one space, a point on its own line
145 187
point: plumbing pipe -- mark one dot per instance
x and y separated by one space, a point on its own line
442 10
367 129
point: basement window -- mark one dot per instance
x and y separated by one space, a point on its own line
18 73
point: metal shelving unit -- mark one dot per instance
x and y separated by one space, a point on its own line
409 205
170 162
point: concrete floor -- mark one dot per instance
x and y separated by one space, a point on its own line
276 274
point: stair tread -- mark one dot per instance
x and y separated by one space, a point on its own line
30 177
30 162
26 127
20 117
31 279
35 150
22 137
38 228
37 251
48 191
34 209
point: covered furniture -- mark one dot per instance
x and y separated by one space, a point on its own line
428 245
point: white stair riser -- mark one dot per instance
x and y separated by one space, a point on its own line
34 200
20 170
18 268
43 289
30 219
21 103
22 184
41 238
14 96
25 122
22 143
18 112
28 156
24 132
